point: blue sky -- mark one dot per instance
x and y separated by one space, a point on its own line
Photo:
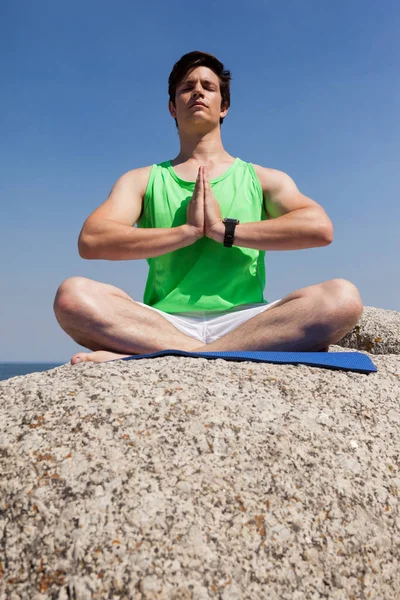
315 93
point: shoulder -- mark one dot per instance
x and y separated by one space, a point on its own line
281 194
137 178
272 179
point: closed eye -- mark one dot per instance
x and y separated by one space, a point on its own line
210 87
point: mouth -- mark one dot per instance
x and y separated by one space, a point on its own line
198 104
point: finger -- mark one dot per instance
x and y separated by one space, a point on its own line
196 185
198 181
202 180
206 181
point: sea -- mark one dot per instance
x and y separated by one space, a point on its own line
13 369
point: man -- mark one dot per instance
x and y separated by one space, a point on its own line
205 286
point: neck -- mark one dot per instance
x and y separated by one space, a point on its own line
200 148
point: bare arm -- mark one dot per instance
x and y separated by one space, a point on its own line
295 221
108 233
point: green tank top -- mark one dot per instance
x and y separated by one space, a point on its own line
205 277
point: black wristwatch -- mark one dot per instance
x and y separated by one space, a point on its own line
230 225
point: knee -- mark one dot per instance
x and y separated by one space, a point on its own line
70 294
344 301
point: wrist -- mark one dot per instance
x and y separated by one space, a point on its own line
217 232
191 232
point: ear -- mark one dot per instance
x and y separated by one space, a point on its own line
224 112
172 109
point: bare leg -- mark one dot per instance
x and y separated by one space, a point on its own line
105 319
308 319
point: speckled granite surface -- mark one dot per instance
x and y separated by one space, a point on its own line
190 478
377 332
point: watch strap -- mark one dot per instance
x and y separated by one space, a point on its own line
230 225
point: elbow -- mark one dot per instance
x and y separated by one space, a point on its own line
84 248
322 233
327 233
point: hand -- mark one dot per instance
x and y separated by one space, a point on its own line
195 207
212 209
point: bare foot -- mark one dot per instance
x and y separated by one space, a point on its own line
98 356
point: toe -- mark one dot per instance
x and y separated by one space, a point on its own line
77 358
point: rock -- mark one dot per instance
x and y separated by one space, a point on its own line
188 478
377 332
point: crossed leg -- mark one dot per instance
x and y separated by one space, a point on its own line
309 319
106 320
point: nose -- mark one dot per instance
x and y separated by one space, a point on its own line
198 90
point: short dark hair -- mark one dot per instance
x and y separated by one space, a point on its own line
195 59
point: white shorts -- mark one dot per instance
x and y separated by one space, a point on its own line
207 327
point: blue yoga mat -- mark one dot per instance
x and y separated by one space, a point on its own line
347 361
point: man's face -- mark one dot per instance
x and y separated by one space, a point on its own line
199 85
